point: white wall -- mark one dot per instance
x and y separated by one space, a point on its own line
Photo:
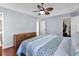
74 25
55 25
0 29
74 31
14 23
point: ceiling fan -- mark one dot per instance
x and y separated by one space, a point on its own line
42 10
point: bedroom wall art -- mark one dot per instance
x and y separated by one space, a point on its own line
67 27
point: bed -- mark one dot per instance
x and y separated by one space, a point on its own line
18 38
43 45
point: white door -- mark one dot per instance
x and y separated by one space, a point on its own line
41 27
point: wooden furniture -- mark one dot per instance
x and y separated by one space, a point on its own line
0 51
11 51
18 38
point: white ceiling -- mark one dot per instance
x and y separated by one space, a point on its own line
27 8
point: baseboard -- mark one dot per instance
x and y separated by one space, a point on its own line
5 47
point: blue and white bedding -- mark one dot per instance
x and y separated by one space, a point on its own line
44 48
77 52
50 48
22 48
75 43
64 48
46 45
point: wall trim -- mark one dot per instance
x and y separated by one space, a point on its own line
5 47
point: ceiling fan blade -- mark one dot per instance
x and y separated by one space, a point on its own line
49 9
47 13
38 6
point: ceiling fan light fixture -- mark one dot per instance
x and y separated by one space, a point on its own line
42 12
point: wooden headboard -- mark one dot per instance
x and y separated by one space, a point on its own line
18 38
